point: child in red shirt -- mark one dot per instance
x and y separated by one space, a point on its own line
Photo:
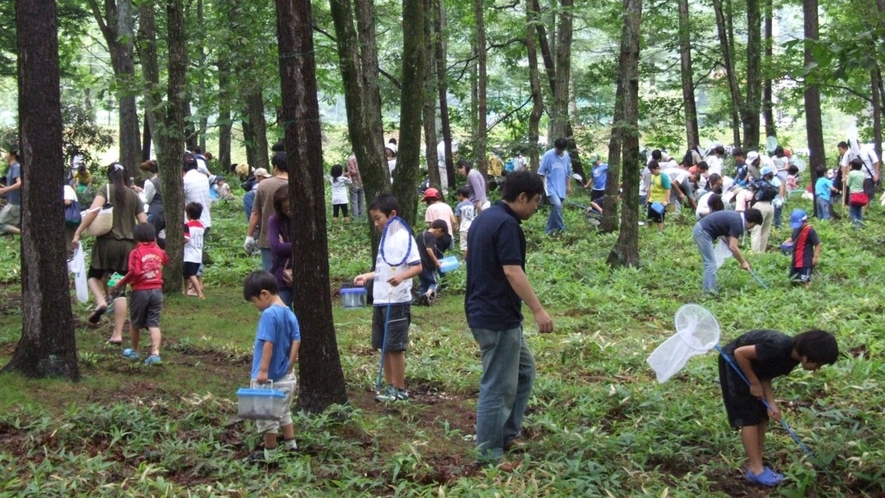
145 276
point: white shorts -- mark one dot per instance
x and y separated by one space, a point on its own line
287 385
463 240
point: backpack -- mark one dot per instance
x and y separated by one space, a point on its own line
764 191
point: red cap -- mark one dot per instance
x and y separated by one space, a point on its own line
431 193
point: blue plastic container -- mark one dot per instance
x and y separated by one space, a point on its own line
260 404
354 297
448 264
657 207
787 248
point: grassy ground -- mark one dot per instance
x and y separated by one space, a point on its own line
598 424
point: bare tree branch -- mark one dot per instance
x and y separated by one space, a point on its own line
392 79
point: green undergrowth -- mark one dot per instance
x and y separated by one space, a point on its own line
598 423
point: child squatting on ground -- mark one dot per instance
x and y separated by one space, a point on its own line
277 339
392 297
763 355
145 275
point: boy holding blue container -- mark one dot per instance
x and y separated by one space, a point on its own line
277 340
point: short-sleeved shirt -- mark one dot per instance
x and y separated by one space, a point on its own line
196 189
426 240
715 164
804 241
399 246
822 188
263 205
477 185
855 182
660 185
193 247
466 211
600 175
723 224
773 352
278 325
496 240
13 173
440 211
557 169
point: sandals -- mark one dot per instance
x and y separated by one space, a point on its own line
95 316
767 477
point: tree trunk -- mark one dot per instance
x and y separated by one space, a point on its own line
224 118
322 380
249 141
480 137
626 250
431 8
876 111
725 44
150 70
48 347
767 92
533 18
559 118
610 204
692 135
258 125
439 23
173 140
813 121
753 103
408 156
146 138
116 24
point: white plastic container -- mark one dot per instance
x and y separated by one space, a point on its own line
448 264
260 403
354 297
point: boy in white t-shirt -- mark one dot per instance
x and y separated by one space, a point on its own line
193 249
465 211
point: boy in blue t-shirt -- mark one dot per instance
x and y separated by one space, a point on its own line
823 190
277 340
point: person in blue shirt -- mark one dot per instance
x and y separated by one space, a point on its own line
823 190
556 168
277 340
11 215
599 173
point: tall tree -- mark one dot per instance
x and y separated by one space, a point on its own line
442 85
480 137
813 121
117 26
532 20
753 103
767 90
224 116
610 203
726 44
405 176
47 347
431 9
559 119
322 380
626 250
692 135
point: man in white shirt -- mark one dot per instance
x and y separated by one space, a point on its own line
714 160
196 189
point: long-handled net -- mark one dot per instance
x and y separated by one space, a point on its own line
697 331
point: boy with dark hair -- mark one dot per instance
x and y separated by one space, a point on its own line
277 340
465 212
761 356
145 275
193 249
823 192
806 248
730 225
392 298
430 256
497 286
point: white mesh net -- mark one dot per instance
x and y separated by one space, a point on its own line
697 331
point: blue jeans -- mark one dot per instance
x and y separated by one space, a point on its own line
705 246
778 216
248 201
508 372
357 202
555 223
823 209
856 215
286 297
266 259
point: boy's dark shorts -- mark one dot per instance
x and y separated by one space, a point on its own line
145 307
655 216
743 408
800 275
397 328
189 269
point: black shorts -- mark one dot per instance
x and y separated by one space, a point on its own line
597 196
144 308
743 408
800 275
654 216
339 207
189 269
869 188
400 318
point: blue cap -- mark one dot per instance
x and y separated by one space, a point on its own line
797 218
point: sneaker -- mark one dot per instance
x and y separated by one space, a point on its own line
263 456
129 353
767 477
401 394
153 359
387 394
430 297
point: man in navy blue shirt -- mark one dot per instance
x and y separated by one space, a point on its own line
496 288
729 225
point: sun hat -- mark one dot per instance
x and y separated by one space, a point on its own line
431 193
797 218
593 158
262 172
391 146
751 157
